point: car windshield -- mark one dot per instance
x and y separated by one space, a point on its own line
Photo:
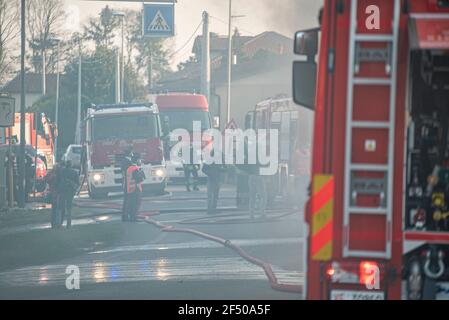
183 119
76 150
139 126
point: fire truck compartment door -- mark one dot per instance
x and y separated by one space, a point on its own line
429 32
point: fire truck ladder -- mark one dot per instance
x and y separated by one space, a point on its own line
384 190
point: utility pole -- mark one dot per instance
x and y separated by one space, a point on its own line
228 114
121 15
150 73
122 59
21 181
57 103
117 77
78 113
44 72
205 57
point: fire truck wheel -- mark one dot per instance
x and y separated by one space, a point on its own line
95 194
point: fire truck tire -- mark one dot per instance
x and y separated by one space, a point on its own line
96 195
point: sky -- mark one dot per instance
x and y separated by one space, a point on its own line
283 16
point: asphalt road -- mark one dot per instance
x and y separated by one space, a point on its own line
148 263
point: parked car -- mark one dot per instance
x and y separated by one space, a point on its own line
73 154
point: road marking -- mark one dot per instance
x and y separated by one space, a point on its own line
160 269
201 245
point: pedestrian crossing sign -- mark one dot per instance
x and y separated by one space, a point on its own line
159 20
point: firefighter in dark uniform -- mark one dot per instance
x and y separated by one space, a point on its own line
133 197
214 173
191 173
124 165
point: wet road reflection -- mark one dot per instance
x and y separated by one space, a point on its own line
160 269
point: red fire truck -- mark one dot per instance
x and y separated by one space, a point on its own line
109 131
378 221
180 111
45 138
294 126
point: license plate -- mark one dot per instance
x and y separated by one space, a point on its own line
356 295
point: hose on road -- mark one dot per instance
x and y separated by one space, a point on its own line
291 288
146 217
238 217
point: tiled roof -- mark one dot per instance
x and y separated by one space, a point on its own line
33 83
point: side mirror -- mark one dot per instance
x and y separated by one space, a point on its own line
216 122
304 83
306 43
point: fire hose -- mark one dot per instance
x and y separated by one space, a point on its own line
292 288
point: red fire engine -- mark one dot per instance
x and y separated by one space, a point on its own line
378 214
180 111
294 126
110 130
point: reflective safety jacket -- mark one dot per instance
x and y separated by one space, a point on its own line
132 184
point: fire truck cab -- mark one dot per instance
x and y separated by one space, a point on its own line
180 111
378 213
109 131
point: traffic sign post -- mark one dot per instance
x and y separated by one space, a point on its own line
158 20
7 118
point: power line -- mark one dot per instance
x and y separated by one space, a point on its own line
226 23
188 41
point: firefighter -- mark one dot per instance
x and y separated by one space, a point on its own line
69 184
214 173
191 173
134 178
125 164
258 195
30 171
52 195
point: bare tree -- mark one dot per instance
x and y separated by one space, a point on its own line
44 21
9 30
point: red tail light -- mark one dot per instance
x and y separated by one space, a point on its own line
369 272
330 272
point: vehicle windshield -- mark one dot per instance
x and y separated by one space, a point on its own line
182 119
76 150
128 127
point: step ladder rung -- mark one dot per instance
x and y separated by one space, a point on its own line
367 254
371 124
373 81
374 37
368 211
369 167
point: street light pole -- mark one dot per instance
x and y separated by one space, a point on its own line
228 115
44 71
122 73
121 15
78 113
205 58
55 156
21 182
